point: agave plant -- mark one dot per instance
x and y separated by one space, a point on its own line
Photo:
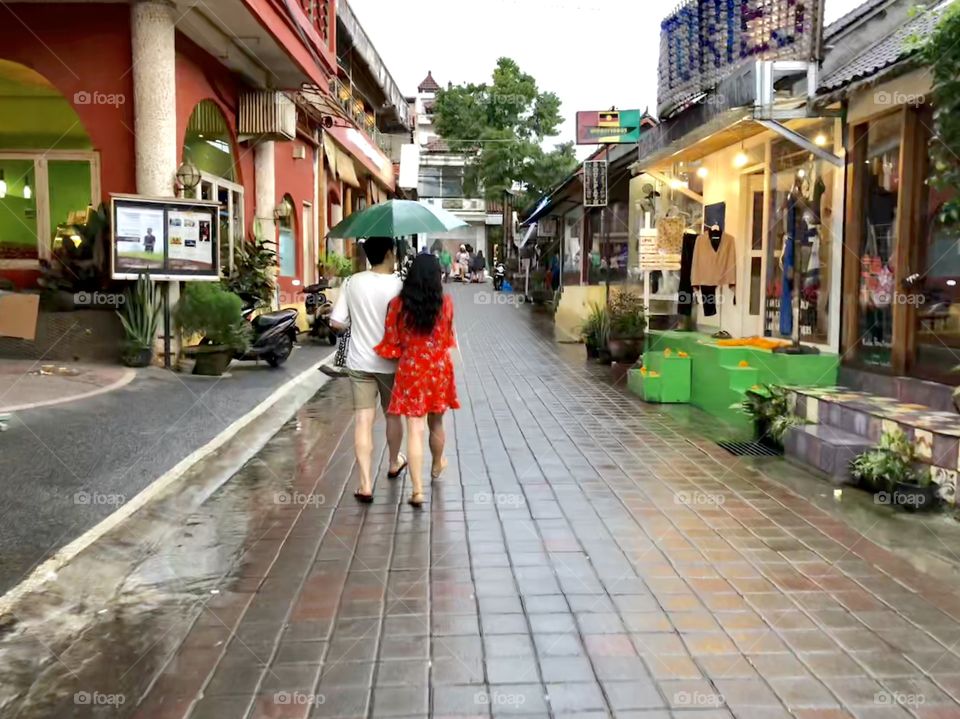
140 314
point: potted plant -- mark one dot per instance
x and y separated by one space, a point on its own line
768 407
139 316
628 324
214 314
334 267
254 270
889 471
603 336
596 317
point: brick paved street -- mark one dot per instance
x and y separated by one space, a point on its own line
584 555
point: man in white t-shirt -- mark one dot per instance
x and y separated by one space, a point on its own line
362 306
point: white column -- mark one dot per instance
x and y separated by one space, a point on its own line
265 180
154 96
154 116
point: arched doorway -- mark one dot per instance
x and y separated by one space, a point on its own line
208 144
48 168
287 246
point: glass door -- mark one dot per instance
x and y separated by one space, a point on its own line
230 197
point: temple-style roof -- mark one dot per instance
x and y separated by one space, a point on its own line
428 84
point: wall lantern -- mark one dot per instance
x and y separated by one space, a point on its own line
188 176
284 211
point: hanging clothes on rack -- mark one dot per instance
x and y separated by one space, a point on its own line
685 304
714 266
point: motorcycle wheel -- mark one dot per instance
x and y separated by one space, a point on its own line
282 353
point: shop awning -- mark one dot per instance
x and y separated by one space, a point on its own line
330 151
346 170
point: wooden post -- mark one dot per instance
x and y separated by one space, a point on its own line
853 240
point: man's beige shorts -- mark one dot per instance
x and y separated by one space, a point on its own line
367 386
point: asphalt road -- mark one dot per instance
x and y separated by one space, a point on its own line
65 468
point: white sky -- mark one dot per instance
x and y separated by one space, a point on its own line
592 53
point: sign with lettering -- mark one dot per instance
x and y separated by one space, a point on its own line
595 183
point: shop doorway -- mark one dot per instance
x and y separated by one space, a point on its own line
48 168
753 186
209 145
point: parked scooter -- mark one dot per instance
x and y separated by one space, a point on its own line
499 275
274 334
319 309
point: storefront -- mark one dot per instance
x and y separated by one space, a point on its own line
776 198
901 269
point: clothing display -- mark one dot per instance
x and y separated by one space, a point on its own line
685 304
714 265
708 298
424 382
670 235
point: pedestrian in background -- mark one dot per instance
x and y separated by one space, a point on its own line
419 333
463 263
478 267
446 263
362 306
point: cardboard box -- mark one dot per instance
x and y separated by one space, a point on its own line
18 315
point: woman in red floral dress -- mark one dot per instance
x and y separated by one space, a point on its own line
419 333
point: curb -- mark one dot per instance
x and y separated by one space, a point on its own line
48 569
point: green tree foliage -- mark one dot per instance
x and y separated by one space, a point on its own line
941 52
501 126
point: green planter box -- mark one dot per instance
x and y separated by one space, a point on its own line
673 385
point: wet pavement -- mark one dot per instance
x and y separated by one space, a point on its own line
65 468
583 555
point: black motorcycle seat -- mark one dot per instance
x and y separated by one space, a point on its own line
271 319
319 287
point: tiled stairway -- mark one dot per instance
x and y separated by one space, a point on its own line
842 423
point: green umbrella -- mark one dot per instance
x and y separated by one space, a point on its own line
397 218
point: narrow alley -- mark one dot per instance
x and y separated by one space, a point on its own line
583 555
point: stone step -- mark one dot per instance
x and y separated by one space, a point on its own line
825 448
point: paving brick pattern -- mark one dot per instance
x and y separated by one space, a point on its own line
584 555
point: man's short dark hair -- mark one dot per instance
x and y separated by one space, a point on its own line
376 248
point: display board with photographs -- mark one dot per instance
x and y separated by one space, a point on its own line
166 238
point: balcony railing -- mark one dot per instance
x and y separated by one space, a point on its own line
321 15
355 109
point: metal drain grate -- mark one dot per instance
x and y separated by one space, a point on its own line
750 449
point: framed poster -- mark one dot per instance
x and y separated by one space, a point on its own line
169 239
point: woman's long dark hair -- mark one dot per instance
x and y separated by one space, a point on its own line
422 294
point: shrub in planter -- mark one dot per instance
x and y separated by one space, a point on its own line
888 470
627 326
595 329
768 407
335 266
207 310
254 270
139 316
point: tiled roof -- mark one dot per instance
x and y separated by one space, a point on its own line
437 144
842 23
428 84
886 52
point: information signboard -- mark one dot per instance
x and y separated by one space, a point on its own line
168 239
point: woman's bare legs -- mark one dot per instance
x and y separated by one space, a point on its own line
415 452
438 439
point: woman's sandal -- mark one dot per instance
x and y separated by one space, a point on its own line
363 498
416 500
435 472
403 466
